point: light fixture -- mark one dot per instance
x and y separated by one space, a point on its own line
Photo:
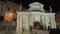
10 14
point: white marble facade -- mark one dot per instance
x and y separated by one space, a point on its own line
36 6
25 18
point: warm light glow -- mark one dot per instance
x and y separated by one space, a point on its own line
9 16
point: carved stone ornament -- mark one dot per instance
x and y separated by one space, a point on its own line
36 6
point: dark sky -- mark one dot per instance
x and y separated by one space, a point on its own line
54 3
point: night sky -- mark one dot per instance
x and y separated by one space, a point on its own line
55 4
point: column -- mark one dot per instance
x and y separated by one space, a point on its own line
25 23
19 23
46 20
54 23
31 19
43 20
